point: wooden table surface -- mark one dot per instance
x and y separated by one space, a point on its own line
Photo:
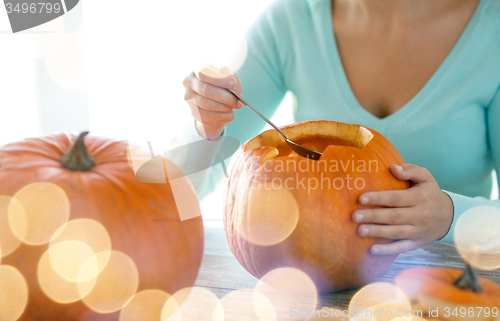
221 273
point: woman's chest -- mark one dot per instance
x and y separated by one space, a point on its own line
386 70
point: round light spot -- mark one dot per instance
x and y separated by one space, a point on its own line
267 214
68 258
8 242
54 285
208 70
47 37
379 302
288 287
477 237
88 232
66 64
184 195
239 55
197 303
145 306
115 285
244 305
13 293
326 313
37 211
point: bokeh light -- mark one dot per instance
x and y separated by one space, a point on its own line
244 305
183 192
13 293
208 70
115 285
145 306
66 63
69 257
8 242
55 286
239 55
37 211
93 235
47 37
262 219
380 302
288 288
196 303
329 314
477 237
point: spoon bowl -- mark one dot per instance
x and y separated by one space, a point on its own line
299 149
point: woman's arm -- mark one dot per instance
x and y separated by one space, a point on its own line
462 203
259 79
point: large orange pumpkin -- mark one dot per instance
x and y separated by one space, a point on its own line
284 210
96 176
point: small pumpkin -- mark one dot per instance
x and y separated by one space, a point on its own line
283 210
100 184
452 294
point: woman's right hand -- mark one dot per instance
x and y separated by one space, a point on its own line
211 106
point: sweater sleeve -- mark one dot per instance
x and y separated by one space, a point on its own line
263 88
463 203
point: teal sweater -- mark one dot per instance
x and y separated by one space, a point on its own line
451 127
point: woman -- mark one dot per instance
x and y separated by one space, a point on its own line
425 74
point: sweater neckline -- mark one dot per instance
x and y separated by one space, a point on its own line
346 93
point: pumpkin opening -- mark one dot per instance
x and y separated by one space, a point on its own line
316 135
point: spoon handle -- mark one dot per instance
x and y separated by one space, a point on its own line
257 112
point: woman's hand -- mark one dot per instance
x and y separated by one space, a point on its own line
211 106
413 217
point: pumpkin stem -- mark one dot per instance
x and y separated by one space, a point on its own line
77 158
469 280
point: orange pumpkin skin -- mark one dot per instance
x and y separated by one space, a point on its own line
324 244
141 219
431 288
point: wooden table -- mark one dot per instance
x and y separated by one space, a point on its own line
221 273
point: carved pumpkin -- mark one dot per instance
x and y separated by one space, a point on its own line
284 210
100 185
451 294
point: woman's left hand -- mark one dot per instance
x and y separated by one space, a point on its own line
412 217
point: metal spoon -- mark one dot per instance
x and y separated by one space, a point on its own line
301 150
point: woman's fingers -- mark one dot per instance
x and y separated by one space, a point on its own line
398 198
212 105
395 247
212 92
396 216
392 232
212 118
208 74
